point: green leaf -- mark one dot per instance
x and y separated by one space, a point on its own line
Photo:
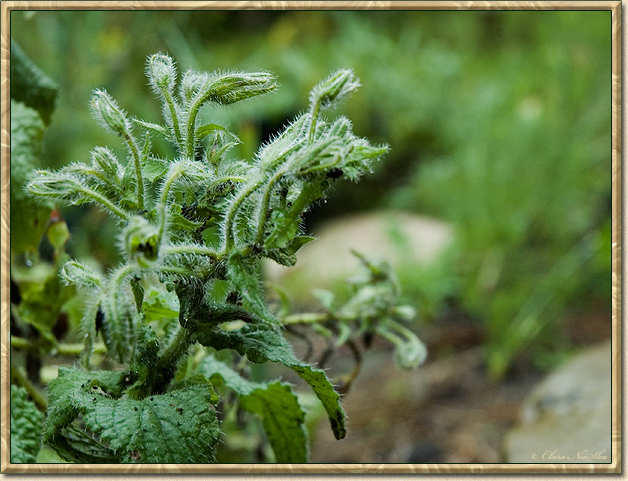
30 85
159 129
205 130
262 343
176 427
281 412
28 217
160 304
243 273
42 298
154 169
286 256
178 222
26 422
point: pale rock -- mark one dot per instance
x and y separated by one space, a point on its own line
567 417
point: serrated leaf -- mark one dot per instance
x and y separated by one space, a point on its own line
26 422
176 427
262 343
281 412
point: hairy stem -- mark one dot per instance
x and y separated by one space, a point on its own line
173 116
233 209
138 169
167 364
259 236
316 108
105 202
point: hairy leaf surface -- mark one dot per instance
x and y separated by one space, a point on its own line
176 427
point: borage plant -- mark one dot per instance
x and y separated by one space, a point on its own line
193 233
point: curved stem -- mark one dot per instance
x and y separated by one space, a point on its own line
259 236
316 108
61 349
173 116
231 213
163 198
20 379
167 364
105 202
191 122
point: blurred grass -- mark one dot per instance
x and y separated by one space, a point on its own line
499 123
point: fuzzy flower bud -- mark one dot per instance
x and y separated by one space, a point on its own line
330 91
233 87
161 72
107 111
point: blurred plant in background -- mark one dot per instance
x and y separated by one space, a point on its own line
499 123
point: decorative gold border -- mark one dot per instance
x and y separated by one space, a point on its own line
323 469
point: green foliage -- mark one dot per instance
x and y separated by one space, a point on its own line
526 183
31 86
281 412
27 129
180 286
175 427
26 421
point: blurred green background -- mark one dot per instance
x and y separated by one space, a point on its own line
499 123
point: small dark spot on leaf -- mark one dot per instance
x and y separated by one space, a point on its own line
335 173
136 408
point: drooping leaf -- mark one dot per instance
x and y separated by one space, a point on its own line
281 412
287 255
26 422
30 85
176 427
263 342
28 217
